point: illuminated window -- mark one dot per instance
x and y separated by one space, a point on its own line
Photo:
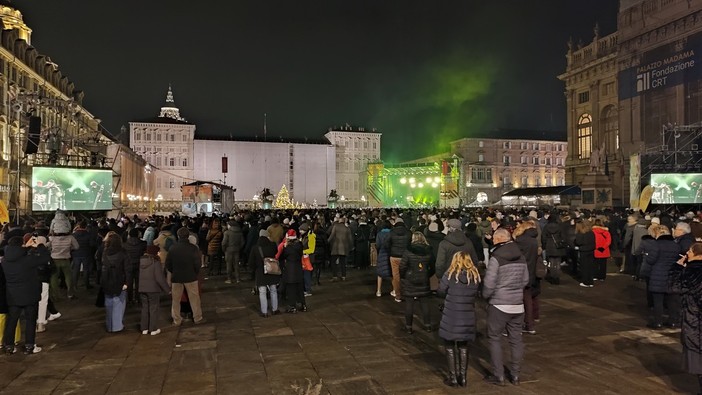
480 144
507 145
481 157
525 181
584 136
506 159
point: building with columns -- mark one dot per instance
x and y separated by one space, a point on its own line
638 91
355 149
167 143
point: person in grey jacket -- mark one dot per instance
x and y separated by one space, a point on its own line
152 283
340 241
503 287
640 230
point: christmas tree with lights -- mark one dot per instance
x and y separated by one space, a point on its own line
282 200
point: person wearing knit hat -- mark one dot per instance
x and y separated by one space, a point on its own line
291 234
263 233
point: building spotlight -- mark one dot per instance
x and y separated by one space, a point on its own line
403 180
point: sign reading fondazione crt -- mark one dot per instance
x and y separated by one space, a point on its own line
71 189
663 67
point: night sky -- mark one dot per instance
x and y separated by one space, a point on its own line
421 72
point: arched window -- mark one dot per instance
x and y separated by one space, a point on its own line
584 136
610 129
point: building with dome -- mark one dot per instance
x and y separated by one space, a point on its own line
166 142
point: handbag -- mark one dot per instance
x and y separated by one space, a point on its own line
540 271
560 244
270 265
307 263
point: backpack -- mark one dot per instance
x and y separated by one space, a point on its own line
418 273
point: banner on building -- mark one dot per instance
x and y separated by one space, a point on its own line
634 179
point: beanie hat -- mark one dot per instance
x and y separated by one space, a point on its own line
263 233
454 223
286 221
433 227
304 227
291 235
656 220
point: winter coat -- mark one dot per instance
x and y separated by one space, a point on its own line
453 242
415 270
256 262
647 245
61 246
383 261
340 239
506 275
640 230
149 235
585 242
165 241
400 238
434 239
291 262
603 239
214 241
530 249
46 264
151 277
87 243
60 225
321 248
661 259
183 261
485 229
458 319
691 306
551 236
135 249
22 279
115 273
233 239
477 244
685 242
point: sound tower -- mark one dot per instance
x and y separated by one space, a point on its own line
33 135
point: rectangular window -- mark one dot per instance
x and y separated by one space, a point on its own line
584 141
523 160
172 137
548 161
185 137
481 175
365 145
158 161
137 137
583 97
535 160
148 136
171 183
506 159
608 89
507 145
525 181
185 162
506 180
549 181
171 162
481 157
523 145
480 144
158 136
375 145
536 146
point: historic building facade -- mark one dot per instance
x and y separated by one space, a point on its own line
355 149
42 119
638 92
166 142
497 165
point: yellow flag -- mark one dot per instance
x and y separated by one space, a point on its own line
645 198
4 214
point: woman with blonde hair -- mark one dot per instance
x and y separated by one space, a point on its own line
416 266
459 286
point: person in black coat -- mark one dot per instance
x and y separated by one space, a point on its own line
691 292
265 283
526 237
115 277
662 259
459 287
290 257
585 245
23 294
135 248
553 241
415 269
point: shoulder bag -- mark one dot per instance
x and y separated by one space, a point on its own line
270 265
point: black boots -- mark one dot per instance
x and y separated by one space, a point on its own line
462 365
451 380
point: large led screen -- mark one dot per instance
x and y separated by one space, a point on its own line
71 189
676 188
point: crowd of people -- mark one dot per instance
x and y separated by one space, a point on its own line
461 256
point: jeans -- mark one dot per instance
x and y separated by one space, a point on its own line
193 298
308 280
43 303
338 261
409 310
87 265
114 309
62 266
149 310
232 259
497 322
395 267
263 298
30 329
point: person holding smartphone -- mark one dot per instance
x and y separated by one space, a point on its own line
691 300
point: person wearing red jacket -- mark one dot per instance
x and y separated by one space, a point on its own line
603 240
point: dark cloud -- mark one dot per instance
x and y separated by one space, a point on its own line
422 72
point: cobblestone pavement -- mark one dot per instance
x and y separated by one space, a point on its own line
589 341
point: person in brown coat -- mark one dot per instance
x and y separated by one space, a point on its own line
214 248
